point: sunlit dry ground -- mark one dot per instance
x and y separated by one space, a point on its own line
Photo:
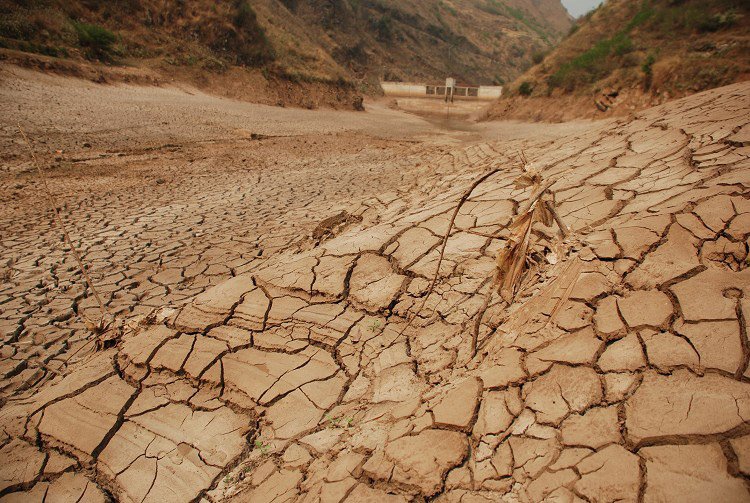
620 371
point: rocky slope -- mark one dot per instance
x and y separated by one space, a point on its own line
479 41
332 371
338 42
627 55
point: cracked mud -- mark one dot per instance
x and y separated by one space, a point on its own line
620 372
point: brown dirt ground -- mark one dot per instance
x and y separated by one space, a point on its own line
266 352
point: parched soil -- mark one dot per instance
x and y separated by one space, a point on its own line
281 340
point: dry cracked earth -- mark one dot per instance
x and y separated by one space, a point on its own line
274 349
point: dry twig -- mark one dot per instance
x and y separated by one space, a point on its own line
461 202
52 202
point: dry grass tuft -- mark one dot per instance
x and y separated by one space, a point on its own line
513 259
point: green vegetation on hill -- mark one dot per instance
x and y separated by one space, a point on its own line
97 39
675 46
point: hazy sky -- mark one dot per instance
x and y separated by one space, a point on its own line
579 7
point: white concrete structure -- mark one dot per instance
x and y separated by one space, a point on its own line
403 89
417 90
490 92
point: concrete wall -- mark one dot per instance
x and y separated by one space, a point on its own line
403 89
414 90
490 92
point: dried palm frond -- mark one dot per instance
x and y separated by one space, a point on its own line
107 330
513 259
564 276
528 179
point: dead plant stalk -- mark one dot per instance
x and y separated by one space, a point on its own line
512 260
52 202
461 202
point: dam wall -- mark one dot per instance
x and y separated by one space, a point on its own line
454 91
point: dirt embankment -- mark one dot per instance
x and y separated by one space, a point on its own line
565 108
319 39
246 84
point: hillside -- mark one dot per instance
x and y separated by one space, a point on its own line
481 41
627 55
344 44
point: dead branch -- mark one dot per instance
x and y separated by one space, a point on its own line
563 228
461 202
52 201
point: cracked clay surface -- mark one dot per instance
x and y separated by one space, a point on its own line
620 372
